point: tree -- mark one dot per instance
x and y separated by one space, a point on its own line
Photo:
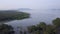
56 22
40 28
32 28
6 29
42 25
49 29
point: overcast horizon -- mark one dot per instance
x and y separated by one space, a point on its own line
34 4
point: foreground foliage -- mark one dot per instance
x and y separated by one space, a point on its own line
43 28
6 29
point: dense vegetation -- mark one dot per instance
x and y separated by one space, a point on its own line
6 29
43 28
8 15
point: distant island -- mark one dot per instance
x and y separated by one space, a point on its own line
55 9
25 9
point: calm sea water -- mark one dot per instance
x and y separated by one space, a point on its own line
36 16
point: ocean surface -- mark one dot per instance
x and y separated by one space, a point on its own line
36 16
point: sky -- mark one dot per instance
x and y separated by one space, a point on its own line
34 4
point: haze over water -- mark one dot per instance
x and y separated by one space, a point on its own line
37 16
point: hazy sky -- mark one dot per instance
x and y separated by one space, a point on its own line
35 4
